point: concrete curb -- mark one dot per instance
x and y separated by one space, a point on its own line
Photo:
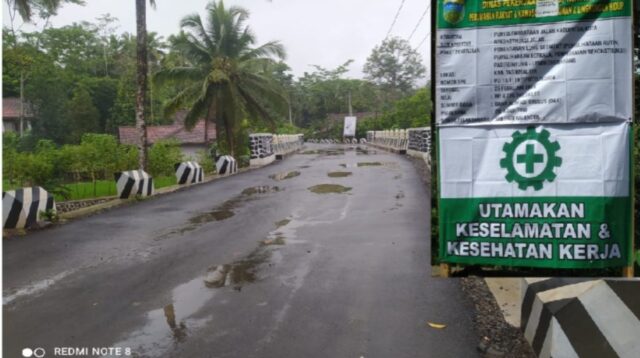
572 317
90 210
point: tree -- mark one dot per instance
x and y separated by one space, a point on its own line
394 65
82 115
142 62
224 78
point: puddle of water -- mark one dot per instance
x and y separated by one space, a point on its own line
304 166
171 324
284 176
339 174
329 189
369 164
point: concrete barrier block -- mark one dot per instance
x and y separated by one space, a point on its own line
226 165
189 173
21 208
568 317
134 182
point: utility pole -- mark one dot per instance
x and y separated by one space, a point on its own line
350 108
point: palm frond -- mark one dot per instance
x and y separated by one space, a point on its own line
193 22
177 75
182 100
269 49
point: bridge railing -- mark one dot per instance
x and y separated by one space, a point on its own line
265 147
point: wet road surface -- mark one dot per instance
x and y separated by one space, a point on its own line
324 254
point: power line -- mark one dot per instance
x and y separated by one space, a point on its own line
395 19
419 22
423 40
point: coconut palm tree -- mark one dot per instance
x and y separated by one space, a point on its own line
26 8
142 64
225 78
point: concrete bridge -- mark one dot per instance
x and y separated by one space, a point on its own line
323 254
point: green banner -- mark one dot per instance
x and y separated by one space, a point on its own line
480 13
551 232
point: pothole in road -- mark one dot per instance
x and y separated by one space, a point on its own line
277 240
216 215
339 174
365 151
284 176
223 211
324 152
282 223
369 164
238 273
264 189
329 189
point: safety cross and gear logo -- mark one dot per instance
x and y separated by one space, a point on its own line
530 159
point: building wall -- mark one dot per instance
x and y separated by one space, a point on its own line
190 151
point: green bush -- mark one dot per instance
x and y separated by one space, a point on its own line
205 160
163 156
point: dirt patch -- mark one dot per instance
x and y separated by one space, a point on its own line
329 189
339 174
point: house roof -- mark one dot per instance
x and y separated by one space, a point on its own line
11 108
176 131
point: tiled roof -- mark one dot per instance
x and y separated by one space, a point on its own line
128 135
11 108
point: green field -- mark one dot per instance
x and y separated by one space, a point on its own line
84 190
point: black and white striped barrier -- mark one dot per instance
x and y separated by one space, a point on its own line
21 208
189 173
563 317
226 165
134 182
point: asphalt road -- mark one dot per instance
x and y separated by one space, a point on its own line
254 265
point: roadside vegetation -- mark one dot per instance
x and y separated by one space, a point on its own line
80 83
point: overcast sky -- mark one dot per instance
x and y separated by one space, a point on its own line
321 32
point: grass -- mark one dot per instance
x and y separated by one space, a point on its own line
84 190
